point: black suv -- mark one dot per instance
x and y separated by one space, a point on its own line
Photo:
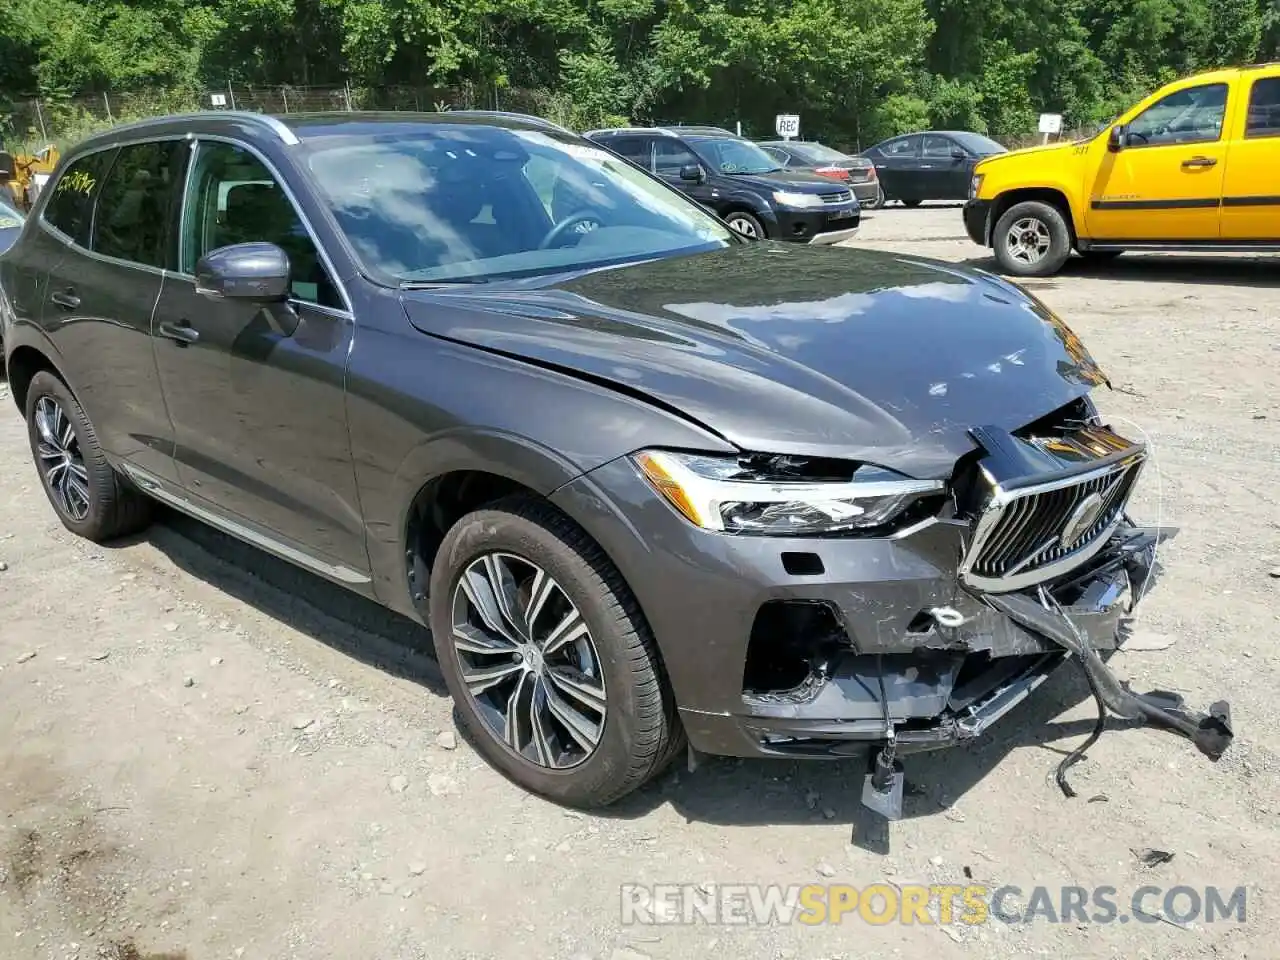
740 182
641 476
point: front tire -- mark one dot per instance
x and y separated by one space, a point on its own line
744 223
546 653
1031 239
912 202
89 497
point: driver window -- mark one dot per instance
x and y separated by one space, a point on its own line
233 198
938 148
1193 115
669 156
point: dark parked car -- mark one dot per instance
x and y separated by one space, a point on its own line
642 477
740 182
934 165
858 172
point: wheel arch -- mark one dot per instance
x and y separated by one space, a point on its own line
23 363
451 476
1053 196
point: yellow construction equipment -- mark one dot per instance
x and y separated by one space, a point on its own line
23 174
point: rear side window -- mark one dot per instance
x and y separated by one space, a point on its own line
1264 109
70 205
136 203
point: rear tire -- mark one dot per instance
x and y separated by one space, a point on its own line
89 497
912 203
623 728
1031 239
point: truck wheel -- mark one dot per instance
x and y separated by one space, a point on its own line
1031 240
550 661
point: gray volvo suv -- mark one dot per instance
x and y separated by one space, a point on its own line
648 482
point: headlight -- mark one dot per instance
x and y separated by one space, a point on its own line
779 496
804 201
975 185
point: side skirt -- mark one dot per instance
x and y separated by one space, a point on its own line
154 487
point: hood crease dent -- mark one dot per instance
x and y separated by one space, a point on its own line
828 352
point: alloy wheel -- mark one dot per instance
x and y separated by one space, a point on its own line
744 226
528 661
1029 240
60 460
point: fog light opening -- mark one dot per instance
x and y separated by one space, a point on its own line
794 647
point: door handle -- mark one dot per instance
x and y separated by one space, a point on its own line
67 300
1200 162
183 333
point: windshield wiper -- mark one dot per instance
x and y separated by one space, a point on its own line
440 284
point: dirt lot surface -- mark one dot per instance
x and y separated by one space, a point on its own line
213 756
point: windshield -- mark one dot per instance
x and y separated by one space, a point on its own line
977 143
817 153
463 203
725 155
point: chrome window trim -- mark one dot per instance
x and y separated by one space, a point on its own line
994 510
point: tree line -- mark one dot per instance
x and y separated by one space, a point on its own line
855 70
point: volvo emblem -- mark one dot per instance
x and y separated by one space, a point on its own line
1081 521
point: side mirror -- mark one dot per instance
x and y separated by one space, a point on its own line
959 155
691 172
1118 138
257 272
6 167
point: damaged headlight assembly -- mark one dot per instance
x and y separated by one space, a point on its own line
781 496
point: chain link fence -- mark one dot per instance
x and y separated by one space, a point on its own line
29 123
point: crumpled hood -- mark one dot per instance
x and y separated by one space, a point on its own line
796 350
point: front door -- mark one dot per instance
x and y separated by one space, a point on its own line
256 392
670 156
1166 183
945 168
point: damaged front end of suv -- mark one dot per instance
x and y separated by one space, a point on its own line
1048 566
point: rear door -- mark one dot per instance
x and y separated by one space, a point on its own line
102 293
1251 183
898 165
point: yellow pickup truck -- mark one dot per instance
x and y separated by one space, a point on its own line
1194 166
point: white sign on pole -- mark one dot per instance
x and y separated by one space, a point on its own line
1050 123
218 99
787 125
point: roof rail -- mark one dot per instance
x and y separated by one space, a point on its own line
540 121
1259 66
273 123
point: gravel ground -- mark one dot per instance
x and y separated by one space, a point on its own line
205 754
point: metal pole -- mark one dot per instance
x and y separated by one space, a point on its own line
44 134
232 95
285 97
107 102
346 92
